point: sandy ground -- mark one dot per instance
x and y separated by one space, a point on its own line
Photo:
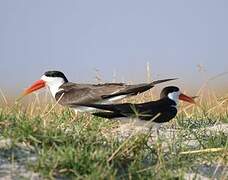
13 162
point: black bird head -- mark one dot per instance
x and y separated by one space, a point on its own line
55 74
174 93
52 79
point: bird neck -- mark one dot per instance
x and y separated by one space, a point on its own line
170 102
55 87
174 97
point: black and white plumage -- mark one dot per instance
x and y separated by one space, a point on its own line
68 93
160 111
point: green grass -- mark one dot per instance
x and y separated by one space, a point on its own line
83 147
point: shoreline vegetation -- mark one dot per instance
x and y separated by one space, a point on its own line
39 141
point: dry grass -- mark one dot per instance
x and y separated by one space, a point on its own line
68 146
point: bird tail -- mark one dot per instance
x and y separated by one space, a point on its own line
161 81
135 89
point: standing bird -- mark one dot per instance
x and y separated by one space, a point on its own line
160 111
67 93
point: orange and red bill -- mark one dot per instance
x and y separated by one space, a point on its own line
34 87
186 98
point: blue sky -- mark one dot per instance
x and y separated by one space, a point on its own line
79 36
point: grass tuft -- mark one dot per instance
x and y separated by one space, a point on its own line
59 144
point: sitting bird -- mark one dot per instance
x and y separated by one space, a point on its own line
67 93
160 111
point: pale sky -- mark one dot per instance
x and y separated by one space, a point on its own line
79 36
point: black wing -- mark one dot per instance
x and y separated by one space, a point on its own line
131 90
166 116
162 108
85 93
108 115
93 93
